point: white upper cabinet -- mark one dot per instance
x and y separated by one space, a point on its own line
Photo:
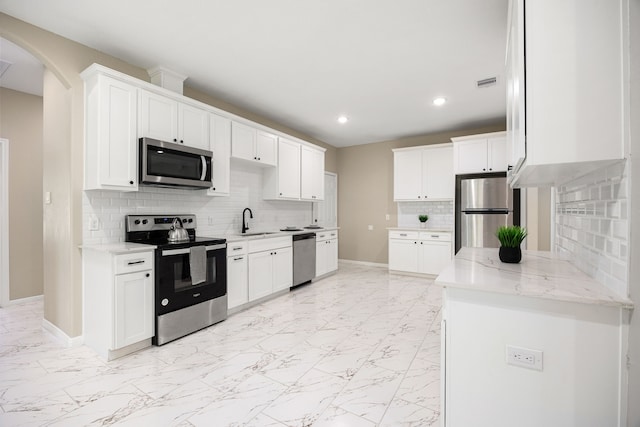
220 137
166 119
110 134
283 182
312 174
253 145
566 97
480 153
423 173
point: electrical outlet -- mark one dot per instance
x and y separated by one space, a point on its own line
524 357
387 217
94 223
47 197
370 227
210 220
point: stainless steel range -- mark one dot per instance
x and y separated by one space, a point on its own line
190 271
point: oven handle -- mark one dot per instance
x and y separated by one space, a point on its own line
204 168
188 250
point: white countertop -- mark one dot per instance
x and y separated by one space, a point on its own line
120 248
240 238
428 229
539 275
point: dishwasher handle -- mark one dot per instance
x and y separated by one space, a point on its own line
304 236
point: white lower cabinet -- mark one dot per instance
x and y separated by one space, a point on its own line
237 279
421 252
118 301
270 266
326 252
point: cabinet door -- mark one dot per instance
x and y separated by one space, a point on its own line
288 169
134 300
434 256
470 156
237 286
220 132
243 141
193 126
321 258
282 269
437 172
312 174
515 85
117 140
266 148
158 117
407 175
260 274
403 255
497 154
332 255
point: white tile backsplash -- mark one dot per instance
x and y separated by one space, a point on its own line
440 214
592 226
216 216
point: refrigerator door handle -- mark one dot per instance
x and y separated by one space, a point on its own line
485 211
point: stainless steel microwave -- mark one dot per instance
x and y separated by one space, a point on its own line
165 164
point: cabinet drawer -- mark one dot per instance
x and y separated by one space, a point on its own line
130 263
409 235
236 248
326 235
443 237
260 245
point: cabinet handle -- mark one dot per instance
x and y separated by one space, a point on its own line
239 258
175 139
418 197
181 141
435 235
237 248
258 158
136 262
490 169
484 169
509 167
281 194
213 188
131 182
147 274
403 234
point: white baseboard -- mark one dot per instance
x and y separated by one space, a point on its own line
61 336
25 300
370 264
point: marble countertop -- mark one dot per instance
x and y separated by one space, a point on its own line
539 275
120 248
240 238
428 229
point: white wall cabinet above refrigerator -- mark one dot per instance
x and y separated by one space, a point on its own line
253 145
566 97
423 173
481 153
166 119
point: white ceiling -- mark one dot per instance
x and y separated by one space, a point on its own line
304 63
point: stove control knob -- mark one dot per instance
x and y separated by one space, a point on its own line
164 302
191 220
144 221
137 221
185 220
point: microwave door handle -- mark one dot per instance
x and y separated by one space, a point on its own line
204 168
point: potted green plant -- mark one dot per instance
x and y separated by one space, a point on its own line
423 220
510 239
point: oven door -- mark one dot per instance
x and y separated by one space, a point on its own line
174 289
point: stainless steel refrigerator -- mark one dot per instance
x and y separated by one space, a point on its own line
484 202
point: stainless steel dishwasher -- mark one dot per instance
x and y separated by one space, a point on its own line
304 258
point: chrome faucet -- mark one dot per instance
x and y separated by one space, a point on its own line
245 224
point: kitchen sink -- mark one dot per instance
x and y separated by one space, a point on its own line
263 233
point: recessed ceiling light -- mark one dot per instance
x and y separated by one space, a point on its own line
343 119
439 101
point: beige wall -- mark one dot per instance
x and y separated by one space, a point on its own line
21 124
365 193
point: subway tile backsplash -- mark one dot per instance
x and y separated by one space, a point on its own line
440 214
216 216
592 225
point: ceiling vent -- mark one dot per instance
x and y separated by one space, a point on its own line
487 82
4 66
167 79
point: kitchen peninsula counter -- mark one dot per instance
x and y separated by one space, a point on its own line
539 275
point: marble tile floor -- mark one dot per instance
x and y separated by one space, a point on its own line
360 348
